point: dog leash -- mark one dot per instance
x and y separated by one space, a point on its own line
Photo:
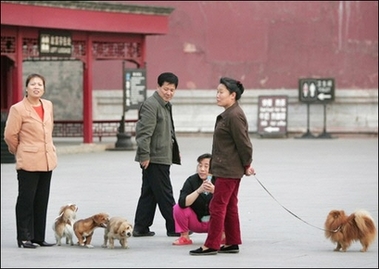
289 211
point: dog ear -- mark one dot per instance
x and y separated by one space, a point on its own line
61 210
73 207
96 218
117 227
99 218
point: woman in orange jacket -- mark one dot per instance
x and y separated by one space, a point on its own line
29 135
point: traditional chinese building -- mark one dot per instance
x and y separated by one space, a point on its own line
73 31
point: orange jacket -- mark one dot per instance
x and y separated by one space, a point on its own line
29 138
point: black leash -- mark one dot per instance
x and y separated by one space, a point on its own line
289 211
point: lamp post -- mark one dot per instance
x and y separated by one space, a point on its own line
124 139
134 95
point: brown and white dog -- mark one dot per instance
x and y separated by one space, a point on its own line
343 229
117 228
63 224
84 228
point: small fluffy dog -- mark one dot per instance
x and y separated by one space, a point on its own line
63 224
84 228
343 229
117 228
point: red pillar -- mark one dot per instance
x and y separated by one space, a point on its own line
87 94
17 84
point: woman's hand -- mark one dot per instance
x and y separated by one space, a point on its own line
207 186
249 171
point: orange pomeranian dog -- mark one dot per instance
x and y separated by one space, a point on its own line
344 229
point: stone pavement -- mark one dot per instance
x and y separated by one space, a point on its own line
308 177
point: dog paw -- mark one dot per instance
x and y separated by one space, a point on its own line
89 246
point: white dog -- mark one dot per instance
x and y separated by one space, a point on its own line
63 224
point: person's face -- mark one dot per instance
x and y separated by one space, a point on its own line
35 87
224 97
166 91
203 168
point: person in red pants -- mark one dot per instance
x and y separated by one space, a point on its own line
232 153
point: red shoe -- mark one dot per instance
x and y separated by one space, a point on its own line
182 241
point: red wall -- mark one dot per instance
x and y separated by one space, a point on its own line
266 45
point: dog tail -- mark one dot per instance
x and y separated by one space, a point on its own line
365 222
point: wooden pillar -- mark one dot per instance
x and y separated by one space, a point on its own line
17 83
87 93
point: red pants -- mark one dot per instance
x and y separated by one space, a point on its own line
186 220
224 213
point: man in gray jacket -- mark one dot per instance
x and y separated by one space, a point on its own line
157 150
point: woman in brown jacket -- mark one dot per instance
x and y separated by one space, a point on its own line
28 134
231 159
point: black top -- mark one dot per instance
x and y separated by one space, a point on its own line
201 205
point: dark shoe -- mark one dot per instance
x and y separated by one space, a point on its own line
173 234
139 234
200 251
43 243
230 249
25 244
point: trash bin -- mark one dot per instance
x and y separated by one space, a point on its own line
6 156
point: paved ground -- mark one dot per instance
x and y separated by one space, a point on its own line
308 177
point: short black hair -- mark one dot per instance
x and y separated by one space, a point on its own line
204 156
33 76
169 77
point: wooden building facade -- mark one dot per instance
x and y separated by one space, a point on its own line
73 30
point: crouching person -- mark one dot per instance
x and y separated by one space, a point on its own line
191 213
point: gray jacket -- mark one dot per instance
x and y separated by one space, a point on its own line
155 133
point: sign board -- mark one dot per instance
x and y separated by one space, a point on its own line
272 115
55 43
134 87
316 90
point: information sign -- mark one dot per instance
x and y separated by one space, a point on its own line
55 43
134 87
272 115
316 90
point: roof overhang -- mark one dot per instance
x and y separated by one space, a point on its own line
113 17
